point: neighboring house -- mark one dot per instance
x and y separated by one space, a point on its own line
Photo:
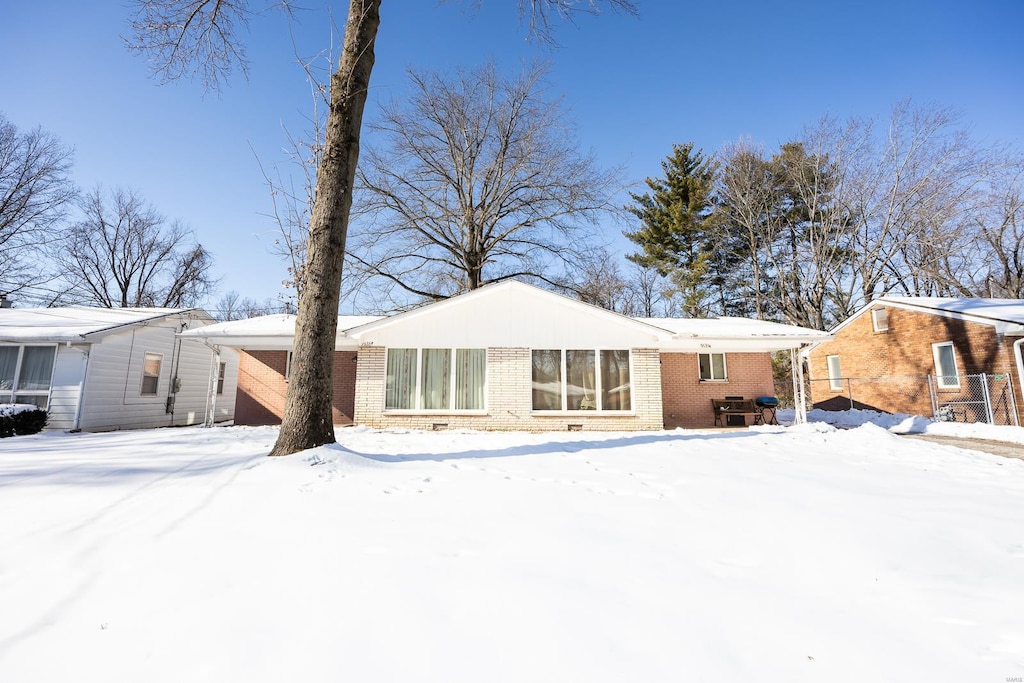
924 356
99 369
512 356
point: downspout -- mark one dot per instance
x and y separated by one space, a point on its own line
1020 371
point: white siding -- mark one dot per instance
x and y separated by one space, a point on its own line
113 398
65 387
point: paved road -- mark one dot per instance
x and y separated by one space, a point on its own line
1008 450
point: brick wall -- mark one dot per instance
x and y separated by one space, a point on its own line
903 351
262 387
509 397
687 400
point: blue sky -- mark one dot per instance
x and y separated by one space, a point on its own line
683 71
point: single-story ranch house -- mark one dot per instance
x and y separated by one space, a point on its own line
100 369
510 356
948 357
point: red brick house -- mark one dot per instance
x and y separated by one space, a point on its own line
511 356
925 356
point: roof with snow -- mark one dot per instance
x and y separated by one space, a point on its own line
269 331
996 310
736 333
1005 315
77 323
514 314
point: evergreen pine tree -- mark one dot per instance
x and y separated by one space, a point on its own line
676 237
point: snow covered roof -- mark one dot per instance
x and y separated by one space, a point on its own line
269 331
992 310
1005 315
733 334
516 314
75 323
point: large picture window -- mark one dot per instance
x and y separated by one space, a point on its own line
25 374
435 379
581 379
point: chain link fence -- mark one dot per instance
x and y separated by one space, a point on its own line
961 398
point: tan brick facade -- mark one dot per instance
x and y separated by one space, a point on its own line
262 387
901 356
509 398
687 400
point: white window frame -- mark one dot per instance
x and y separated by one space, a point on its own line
222 372
11 396
942 378
417 389
288 366
882 313
835 372
598 388
711 364
160 371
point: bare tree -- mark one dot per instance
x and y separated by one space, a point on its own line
123 253
199 37
909 196
996 237
480 180
747 196
233 306
35 192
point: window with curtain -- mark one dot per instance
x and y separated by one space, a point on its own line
712 367
435 379
400 393
616 390
25 374
547 379
8 364
581 379
470 373
151 373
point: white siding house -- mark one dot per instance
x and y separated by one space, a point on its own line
104 369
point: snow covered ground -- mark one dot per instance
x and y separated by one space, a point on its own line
807 553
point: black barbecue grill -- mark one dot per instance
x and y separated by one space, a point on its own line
767 405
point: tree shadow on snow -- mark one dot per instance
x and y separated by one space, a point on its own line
554 447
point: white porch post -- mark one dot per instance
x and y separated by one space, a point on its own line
211 391
799 399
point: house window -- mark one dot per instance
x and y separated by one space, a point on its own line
581 379
435 379
288 366
220 378
712 367
945 365
151 373
25 374
880 319
835 375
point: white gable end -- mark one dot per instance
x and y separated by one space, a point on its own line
509 315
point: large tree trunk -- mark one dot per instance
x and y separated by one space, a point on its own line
307 419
